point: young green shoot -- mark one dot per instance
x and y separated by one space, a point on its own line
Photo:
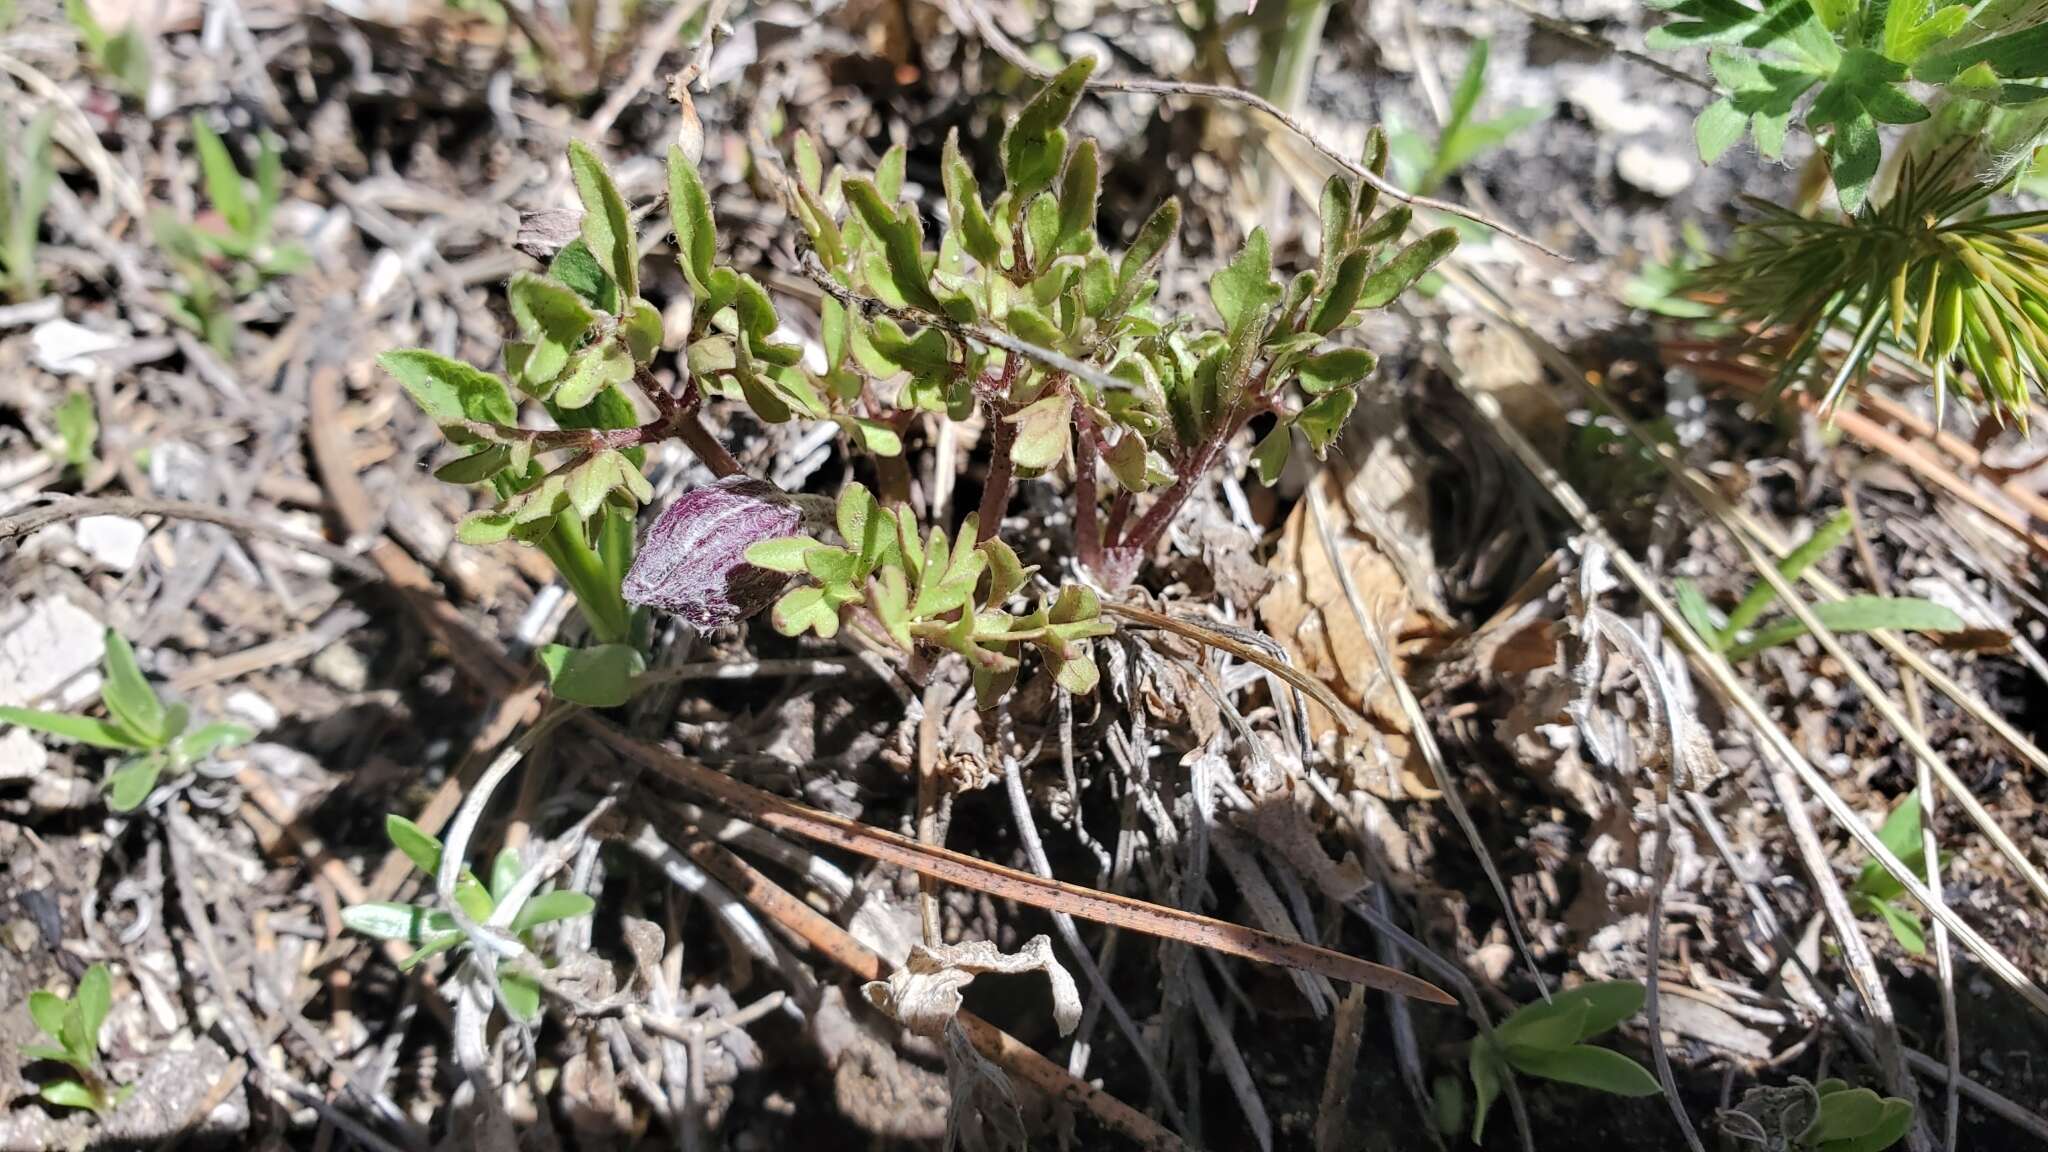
74 1025
156 738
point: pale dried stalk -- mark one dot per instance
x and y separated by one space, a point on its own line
1729 685
1424 736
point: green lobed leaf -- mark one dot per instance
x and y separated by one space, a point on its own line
1042 431
804 609
1269 457
1036 141
1338 368
599 677
1244 288
590 372
607 228
1322 421
964 208
1399 274
449 391
902 238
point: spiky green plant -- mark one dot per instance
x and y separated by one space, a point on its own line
1927 272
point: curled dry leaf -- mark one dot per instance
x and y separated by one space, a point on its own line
693 562
925 993
1307 612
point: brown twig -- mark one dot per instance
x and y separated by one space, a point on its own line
242 523
782 815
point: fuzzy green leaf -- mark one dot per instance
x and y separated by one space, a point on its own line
902 237
1042 428
607 228
1339 368
964 208
387 920
1243 289
413 841
48 1009
1036 141
1323 420
1079 186
449 391
689 213
1398 274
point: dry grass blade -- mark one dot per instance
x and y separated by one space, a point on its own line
1425 737
771 811
1718 507
1733 691
1201 633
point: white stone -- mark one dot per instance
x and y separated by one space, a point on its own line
252 710
69 349
1655 171
22 756
1600 97
113 542
43 647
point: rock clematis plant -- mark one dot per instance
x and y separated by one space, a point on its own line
1021 318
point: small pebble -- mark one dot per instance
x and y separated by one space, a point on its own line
1654 170
113 542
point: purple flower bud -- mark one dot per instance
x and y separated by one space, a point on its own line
693 561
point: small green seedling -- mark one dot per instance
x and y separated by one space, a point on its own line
137 722
234 253
1548 1040
29 170
1825 1117
1878 893
1424 166
122 58
75 1026
78 429
1738 637
433 931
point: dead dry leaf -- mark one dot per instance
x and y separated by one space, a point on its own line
926 993
1308 613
